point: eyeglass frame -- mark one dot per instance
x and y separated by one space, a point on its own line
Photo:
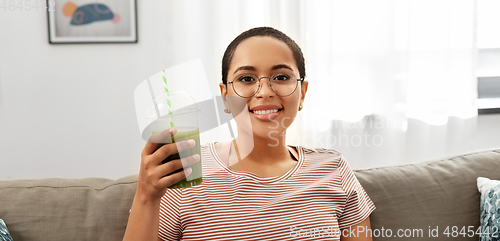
270 84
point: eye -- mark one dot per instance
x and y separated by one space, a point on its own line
282 78
246 79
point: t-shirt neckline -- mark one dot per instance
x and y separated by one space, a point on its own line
265 180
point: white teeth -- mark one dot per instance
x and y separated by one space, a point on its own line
264 112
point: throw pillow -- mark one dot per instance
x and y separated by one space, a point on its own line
4 233
490 208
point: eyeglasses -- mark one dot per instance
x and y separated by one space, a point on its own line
247 85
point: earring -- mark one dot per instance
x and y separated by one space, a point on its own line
227 110
300 107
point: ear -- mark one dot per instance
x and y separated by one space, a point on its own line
303 90
223 91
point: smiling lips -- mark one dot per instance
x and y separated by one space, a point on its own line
263 112
266 112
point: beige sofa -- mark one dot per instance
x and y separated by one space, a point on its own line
417 197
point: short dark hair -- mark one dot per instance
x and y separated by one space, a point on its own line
263 31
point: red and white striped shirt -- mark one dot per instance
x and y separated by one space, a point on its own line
312 201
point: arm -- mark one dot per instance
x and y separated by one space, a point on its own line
143 221
362 232
358 205
154 179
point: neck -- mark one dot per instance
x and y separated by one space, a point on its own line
268 150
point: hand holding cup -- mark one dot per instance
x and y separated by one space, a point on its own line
154 175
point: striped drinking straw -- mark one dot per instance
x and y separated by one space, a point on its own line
167 93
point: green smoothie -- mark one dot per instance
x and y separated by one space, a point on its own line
186 133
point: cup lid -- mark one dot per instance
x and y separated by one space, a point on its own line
178 102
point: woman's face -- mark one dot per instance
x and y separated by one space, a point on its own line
263 56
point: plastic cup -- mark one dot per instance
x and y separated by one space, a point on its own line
185 119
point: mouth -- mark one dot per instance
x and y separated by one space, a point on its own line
265 112
266 115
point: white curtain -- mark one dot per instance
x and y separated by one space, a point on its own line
390 81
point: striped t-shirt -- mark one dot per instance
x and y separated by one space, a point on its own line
312 201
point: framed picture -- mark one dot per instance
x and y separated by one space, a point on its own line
92 21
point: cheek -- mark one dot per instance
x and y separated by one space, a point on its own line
293 101
236 104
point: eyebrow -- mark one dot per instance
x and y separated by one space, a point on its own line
251 68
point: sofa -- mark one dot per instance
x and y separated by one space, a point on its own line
417 201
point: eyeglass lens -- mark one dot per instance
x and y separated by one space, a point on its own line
247 85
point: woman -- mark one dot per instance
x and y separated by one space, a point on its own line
254 187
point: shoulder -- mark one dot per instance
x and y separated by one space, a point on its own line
322 155
207 145
319 150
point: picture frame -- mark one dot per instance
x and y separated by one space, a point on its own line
92 21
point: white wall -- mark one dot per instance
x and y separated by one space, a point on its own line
67 111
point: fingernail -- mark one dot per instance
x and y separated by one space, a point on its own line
172 131
196 157
188 171
191 142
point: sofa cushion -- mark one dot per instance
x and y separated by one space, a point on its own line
490 208
67 209
419 198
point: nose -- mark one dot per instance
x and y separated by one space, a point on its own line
265 88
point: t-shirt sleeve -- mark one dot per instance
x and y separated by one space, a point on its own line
358 205
170 221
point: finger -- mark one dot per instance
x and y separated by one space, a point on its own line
174 165
173 131
170 149
164 136
190 160
175 178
